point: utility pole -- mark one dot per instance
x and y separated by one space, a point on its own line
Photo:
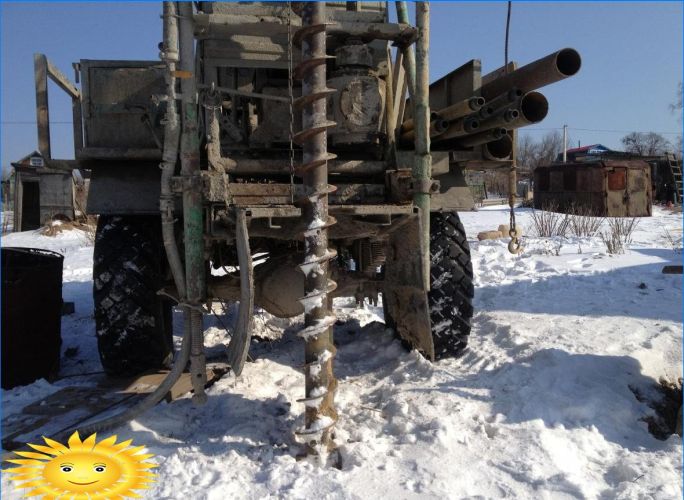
565 143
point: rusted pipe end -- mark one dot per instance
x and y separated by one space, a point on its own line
498 133
441 125
515 94
471 125
534 107
568 62
486 112
475 103
511 114
499 149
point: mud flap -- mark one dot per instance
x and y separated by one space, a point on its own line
239 344
405 294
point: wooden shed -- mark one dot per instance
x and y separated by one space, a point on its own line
620 188
41 193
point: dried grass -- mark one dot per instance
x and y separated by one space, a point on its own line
674 242
87 225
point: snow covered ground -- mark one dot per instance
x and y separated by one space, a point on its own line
541 406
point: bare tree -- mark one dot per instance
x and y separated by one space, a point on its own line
526 153
6 172
676 107
646 143
550 146
532 154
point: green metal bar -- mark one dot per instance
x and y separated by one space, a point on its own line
192 202
409 59
422 168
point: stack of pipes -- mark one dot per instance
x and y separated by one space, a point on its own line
504 104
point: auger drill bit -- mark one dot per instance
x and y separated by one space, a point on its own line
320 414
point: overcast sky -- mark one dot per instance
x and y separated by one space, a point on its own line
631 51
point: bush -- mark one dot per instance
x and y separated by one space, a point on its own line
583 222
547 222
619 234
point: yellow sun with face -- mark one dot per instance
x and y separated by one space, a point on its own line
83 469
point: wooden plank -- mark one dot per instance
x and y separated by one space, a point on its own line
62 81
73 405
42 106
147 383
400 86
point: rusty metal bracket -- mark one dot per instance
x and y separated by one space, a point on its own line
424 186
403 186
182 183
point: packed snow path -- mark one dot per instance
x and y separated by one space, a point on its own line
540 406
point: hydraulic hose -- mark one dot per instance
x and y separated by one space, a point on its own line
170 154
152 399
166 203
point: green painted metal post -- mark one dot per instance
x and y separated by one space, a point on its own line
422 167
409 58
192 202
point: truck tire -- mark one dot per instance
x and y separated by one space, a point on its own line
133 324
451 294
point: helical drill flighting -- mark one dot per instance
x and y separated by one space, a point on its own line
320 414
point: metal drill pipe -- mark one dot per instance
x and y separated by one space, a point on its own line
192 200
532 108
409 124
505 99
482 138
461 109
458 128
503 118
320 415
422 168
550 69
437 126
498 150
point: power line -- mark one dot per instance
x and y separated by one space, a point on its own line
535 129
624 131
18 122
600 130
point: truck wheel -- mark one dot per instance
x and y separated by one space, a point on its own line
451 292
133 323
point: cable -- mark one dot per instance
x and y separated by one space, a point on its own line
18 122
508 25
600 130
625 131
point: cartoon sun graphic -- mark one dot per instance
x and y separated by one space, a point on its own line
83 470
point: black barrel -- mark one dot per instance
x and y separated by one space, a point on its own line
31 315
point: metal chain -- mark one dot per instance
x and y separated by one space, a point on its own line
290 89
514 245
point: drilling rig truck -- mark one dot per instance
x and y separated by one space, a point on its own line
308 133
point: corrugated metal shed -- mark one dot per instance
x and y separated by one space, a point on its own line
602 188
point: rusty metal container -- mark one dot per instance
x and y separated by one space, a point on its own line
31 315
602 188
